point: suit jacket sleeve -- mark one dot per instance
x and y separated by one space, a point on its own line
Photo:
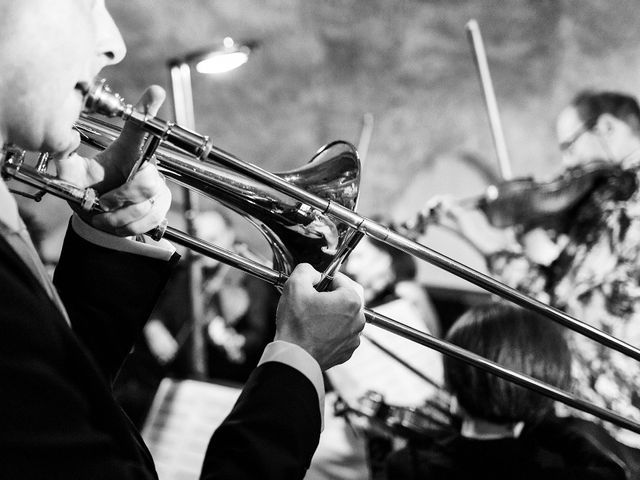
272 431
58 419
108 295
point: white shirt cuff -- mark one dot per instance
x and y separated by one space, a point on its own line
161 250
298 358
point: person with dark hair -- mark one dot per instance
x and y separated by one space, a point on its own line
507 431
349 448
587 262
518 340
599 125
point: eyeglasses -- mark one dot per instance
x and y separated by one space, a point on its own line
584 128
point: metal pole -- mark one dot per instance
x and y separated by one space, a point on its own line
182 95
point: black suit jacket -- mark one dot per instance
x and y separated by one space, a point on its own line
58 419
556 449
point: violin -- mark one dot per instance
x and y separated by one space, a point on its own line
529 203
428 420
524 201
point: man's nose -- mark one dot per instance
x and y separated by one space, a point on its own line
111 46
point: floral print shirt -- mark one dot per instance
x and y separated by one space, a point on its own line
596 279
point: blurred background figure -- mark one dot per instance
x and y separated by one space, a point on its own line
387 274
507 431
238 323
238 308
351 446
584 260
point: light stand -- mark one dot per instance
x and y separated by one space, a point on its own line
211 61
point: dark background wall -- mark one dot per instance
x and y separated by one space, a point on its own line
322 64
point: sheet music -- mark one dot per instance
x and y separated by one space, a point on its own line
371 369
180 423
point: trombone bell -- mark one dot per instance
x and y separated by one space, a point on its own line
295 232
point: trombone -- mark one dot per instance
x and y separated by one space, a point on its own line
306 215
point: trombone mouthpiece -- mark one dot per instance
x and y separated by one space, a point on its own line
99 98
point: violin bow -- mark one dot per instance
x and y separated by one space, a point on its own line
480 58
419 225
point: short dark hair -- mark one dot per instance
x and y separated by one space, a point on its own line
517 339
590 104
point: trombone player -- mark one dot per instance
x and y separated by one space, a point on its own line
62 344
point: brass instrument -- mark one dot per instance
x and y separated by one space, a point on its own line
312 205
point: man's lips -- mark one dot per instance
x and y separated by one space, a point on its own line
83 87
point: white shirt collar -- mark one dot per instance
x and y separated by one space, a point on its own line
483 430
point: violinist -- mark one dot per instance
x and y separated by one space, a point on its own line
237 313
387 274
586 264
507 431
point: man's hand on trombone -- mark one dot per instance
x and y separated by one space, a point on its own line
135 203
326 324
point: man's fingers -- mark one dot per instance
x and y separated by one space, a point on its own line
132 136
305 274
136 218
341 281
146 186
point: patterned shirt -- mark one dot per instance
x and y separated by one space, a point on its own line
596 279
